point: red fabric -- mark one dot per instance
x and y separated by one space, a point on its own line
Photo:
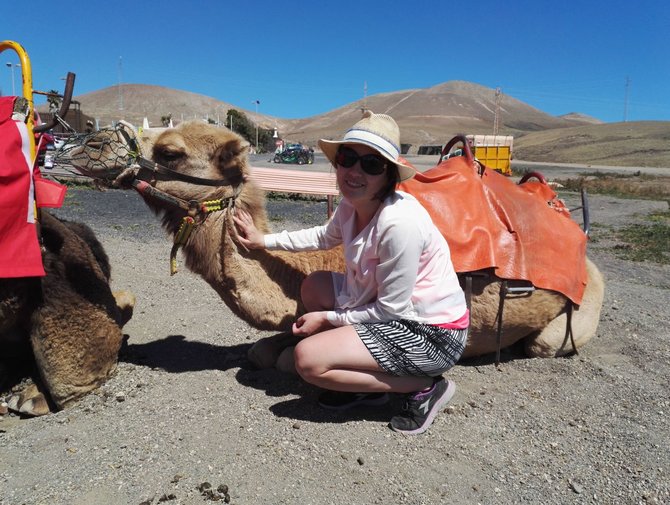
20 254
522 231
48 193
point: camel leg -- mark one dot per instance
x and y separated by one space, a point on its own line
264 353
31 402
553 340
286 361
125 301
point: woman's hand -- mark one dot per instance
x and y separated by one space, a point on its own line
248 235
311 323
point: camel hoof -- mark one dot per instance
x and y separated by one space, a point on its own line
286 361
265 352
29 402
125 301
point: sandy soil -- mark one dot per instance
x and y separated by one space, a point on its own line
185 407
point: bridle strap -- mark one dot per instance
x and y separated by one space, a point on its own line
193 207
164 173
157 169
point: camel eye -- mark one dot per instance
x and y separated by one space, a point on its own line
167 155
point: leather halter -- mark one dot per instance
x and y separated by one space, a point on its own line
145 173
145 177
160 172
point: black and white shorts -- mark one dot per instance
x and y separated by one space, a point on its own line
410 348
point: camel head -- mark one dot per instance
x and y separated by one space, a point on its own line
194 162
201 151
197 162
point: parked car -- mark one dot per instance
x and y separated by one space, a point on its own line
295 153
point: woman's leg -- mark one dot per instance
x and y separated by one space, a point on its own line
338 360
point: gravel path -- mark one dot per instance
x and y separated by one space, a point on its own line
185 410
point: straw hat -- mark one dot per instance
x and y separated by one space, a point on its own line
377 131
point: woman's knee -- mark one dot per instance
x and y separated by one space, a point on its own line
305 363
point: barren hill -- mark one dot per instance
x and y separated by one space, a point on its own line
134 102
424 115
635 144
429 116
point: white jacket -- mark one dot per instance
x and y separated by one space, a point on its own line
397 267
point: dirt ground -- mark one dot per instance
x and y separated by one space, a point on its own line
185 408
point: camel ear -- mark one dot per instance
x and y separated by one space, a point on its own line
231 159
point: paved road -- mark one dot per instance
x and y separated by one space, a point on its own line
422 163
562 170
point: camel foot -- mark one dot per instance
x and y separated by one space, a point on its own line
125 300
29 402
286 361
553 340
264 353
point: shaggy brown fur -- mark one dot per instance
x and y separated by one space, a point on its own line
262 287
68 323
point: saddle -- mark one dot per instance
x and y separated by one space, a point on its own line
521 231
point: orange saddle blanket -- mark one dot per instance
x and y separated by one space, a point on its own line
522 231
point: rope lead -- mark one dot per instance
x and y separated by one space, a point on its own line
180 238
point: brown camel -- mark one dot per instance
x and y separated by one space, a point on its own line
201 163
60 334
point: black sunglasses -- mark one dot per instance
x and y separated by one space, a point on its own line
370 163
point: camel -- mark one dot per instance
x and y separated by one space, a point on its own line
62 331
194 175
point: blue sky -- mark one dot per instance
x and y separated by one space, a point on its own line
302 58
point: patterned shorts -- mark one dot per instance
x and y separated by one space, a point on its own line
409 348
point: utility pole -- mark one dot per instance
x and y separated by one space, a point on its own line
625 100
120 79
365 96
496 117
11 68
257 102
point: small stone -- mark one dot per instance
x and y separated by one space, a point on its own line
360 460
576 487
450 409
120 397
223 489
3 408
296 426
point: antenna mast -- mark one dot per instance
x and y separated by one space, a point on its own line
496 117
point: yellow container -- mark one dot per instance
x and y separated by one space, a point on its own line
493 151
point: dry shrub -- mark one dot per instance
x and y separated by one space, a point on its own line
627 186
